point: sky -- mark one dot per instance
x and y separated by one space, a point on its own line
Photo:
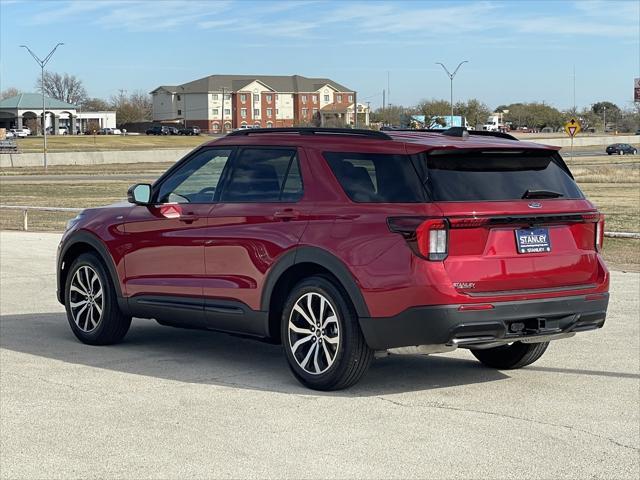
517 50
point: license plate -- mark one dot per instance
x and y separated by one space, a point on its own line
533 240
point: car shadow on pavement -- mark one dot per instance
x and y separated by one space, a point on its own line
203 357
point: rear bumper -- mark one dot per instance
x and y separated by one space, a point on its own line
446 325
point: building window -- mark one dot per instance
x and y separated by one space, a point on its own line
269 98
315 99
269 125
243 112
216 126
339 98
214 111
243 98
315 110
227 96
269 112
214 96
179 112
351 98
227 111
256 112
326 98
243 123
277 111
178 97
304 99
305 112
256 98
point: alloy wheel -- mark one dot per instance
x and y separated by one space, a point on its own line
86 299
314 333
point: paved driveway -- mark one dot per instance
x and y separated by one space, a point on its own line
170 403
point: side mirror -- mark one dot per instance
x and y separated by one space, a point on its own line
140 194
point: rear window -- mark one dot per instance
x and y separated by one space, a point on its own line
495 176
377 178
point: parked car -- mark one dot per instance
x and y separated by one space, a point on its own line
20 132
109 131
621 149
189 131
9 134
158 130
338 243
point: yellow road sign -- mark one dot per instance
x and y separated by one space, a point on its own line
572 127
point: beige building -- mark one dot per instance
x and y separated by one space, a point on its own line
224 102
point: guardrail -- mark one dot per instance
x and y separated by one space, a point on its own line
26 208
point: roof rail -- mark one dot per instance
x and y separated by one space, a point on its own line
312 131
459 132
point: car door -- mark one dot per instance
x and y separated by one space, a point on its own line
164 260
261 214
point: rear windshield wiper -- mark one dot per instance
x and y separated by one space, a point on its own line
541 194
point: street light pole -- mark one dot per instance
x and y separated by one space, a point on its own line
451 77
42 64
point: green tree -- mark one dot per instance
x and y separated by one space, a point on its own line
434 111
534 116
473 110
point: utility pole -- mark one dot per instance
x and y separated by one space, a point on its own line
384 105
451 77
355 110
42 64
604 127
222 112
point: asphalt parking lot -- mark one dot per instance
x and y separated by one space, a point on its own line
171 403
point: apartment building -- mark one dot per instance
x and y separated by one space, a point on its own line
224 102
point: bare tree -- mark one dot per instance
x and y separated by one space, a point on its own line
9 92
136 107
67 88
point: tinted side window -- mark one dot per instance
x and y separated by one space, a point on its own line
197 180
376 178
264 175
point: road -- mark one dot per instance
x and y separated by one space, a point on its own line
170 403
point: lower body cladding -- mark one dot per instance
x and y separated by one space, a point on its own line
442 328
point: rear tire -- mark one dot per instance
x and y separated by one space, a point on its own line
321 336
91 303
508 357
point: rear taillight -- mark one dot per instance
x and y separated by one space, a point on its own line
427 237
600 233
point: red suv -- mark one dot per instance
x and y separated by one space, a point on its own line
338 243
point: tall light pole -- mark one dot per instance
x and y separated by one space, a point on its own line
42 64
451 77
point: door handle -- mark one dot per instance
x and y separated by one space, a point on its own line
189 218
286 214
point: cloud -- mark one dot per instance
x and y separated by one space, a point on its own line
397 21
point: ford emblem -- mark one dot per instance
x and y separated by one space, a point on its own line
535 205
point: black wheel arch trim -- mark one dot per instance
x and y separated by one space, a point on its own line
83 236
323 258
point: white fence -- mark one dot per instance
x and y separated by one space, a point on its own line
26 209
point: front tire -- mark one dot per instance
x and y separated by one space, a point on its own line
509 357
91 303
321 336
